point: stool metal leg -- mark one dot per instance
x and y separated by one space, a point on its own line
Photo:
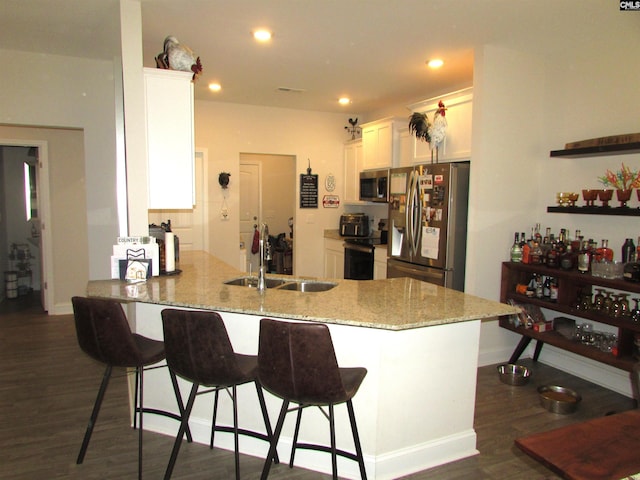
295 436
236 443
183 427
356 440
176 390
140 373
265 416
215 414
332 433
94 414
274 442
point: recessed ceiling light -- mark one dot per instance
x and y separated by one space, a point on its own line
435 63
344 101
215 87
262 35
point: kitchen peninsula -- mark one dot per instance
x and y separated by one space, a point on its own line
418 341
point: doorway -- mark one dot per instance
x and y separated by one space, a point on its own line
267 195
24 201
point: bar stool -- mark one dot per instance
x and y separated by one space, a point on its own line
104 334
297 362
199 351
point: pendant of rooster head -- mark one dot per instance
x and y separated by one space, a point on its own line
178 57
419 126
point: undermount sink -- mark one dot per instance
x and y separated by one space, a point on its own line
282 284
253 282
308 286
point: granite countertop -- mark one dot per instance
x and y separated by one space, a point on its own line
391 304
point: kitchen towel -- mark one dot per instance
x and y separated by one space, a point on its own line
256 242
169 252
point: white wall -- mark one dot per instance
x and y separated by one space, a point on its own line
227 129
57 91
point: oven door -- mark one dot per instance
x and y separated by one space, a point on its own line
358 261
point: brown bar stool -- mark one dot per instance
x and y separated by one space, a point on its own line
104 334
297 362
199 350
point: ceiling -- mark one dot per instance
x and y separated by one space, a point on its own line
373 51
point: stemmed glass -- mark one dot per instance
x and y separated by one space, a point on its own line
635 312
598 299
605 196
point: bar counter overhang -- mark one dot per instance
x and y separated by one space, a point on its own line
418 341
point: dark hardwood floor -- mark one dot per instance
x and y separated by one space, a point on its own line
47 389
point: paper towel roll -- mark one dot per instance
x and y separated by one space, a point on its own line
170 252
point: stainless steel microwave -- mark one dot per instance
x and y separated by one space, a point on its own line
374 185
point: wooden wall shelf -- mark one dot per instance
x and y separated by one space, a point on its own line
622 211
602 150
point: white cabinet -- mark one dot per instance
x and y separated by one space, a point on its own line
170 145
405 157
333 258
380 145
457 143
380 262
352 167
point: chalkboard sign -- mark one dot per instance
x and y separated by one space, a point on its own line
308 191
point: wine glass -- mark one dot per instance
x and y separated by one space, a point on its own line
598 299
635 312
607 303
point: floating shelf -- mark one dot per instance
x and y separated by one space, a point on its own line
602 150
622 211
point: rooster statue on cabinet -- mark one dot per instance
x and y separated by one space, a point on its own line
178 57
439 127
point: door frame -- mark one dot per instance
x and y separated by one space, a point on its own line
44 215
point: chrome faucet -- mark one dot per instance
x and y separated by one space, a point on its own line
264 253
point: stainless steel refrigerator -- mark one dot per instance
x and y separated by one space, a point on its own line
428 207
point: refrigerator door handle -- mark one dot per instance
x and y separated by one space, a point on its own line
408 220
416 213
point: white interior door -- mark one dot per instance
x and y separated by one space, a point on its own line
249 208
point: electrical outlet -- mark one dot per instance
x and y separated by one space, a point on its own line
224 214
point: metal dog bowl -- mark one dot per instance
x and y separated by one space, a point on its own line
559 399
512 374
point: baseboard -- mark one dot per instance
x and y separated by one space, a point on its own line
387 466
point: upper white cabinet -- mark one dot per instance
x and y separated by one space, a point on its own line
352 167
380 146
170 145
457 143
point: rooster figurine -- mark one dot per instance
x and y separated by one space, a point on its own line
438 130
178 57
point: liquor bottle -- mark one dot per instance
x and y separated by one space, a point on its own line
568 259
516 250
576 242
536 234
552 255
553 290
604 253
535 255
584 258
561 244
546 288
628 251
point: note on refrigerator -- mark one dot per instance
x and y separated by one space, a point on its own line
396 241
430 242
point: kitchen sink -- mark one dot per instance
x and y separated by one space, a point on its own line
305 286
282 284
253 282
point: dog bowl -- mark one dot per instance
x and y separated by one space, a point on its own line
512 374
558 399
